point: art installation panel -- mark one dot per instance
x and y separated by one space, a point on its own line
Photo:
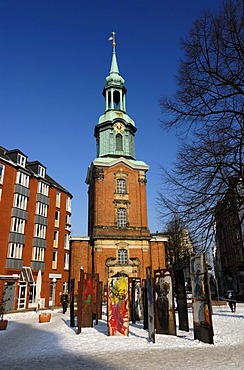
118 306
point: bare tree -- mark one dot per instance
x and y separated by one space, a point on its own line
208 111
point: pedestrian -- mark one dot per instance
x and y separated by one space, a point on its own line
64 302
231 301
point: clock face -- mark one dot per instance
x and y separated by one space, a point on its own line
119 127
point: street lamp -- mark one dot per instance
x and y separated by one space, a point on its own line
53 295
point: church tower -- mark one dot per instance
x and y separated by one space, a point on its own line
119 240
117 220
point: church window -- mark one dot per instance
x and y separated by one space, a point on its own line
121 186
119 145
121 217
122 257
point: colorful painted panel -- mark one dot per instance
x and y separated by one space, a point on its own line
87 301
164 302
118 306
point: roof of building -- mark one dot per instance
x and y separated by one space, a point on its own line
4 155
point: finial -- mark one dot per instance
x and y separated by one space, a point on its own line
112 38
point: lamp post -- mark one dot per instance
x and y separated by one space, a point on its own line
53 293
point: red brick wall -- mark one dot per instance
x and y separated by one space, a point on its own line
103 194
6 204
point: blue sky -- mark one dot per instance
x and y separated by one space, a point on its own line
54 58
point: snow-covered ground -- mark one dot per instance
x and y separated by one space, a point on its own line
27 344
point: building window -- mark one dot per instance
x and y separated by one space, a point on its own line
65 287
55 260
18 225
66 261
1 173
58 197
40 231
41 209
119 145
20 201
55 239
121 217
43 188
121 186
15 250
21 160
32 293
22 179
66 241
68 204
122 257
57 215
41 171
38 254
68 222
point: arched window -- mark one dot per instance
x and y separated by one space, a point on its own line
121 217
121 186
122 257
119 145
116 97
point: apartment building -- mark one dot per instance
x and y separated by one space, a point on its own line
35 222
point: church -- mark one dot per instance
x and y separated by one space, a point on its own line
119 242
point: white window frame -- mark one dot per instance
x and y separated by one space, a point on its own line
15 250
55 260
55 238
68 222
121 217
21 160
41 171
58 199
40 231
121 186
20 201
122 256
57 217
18 225
41 209
38 254
22 179
43 188
66 261
2 168
68 204
66 241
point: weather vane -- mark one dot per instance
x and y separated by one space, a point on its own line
112 38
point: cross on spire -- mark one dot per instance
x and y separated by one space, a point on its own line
112 38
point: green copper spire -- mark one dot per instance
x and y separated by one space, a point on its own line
114 77
115 130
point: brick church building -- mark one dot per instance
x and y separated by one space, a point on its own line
119 240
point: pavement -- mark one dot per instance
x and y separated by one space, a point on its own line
27 345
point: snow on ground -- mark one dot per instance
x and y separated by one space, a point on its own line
26 343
